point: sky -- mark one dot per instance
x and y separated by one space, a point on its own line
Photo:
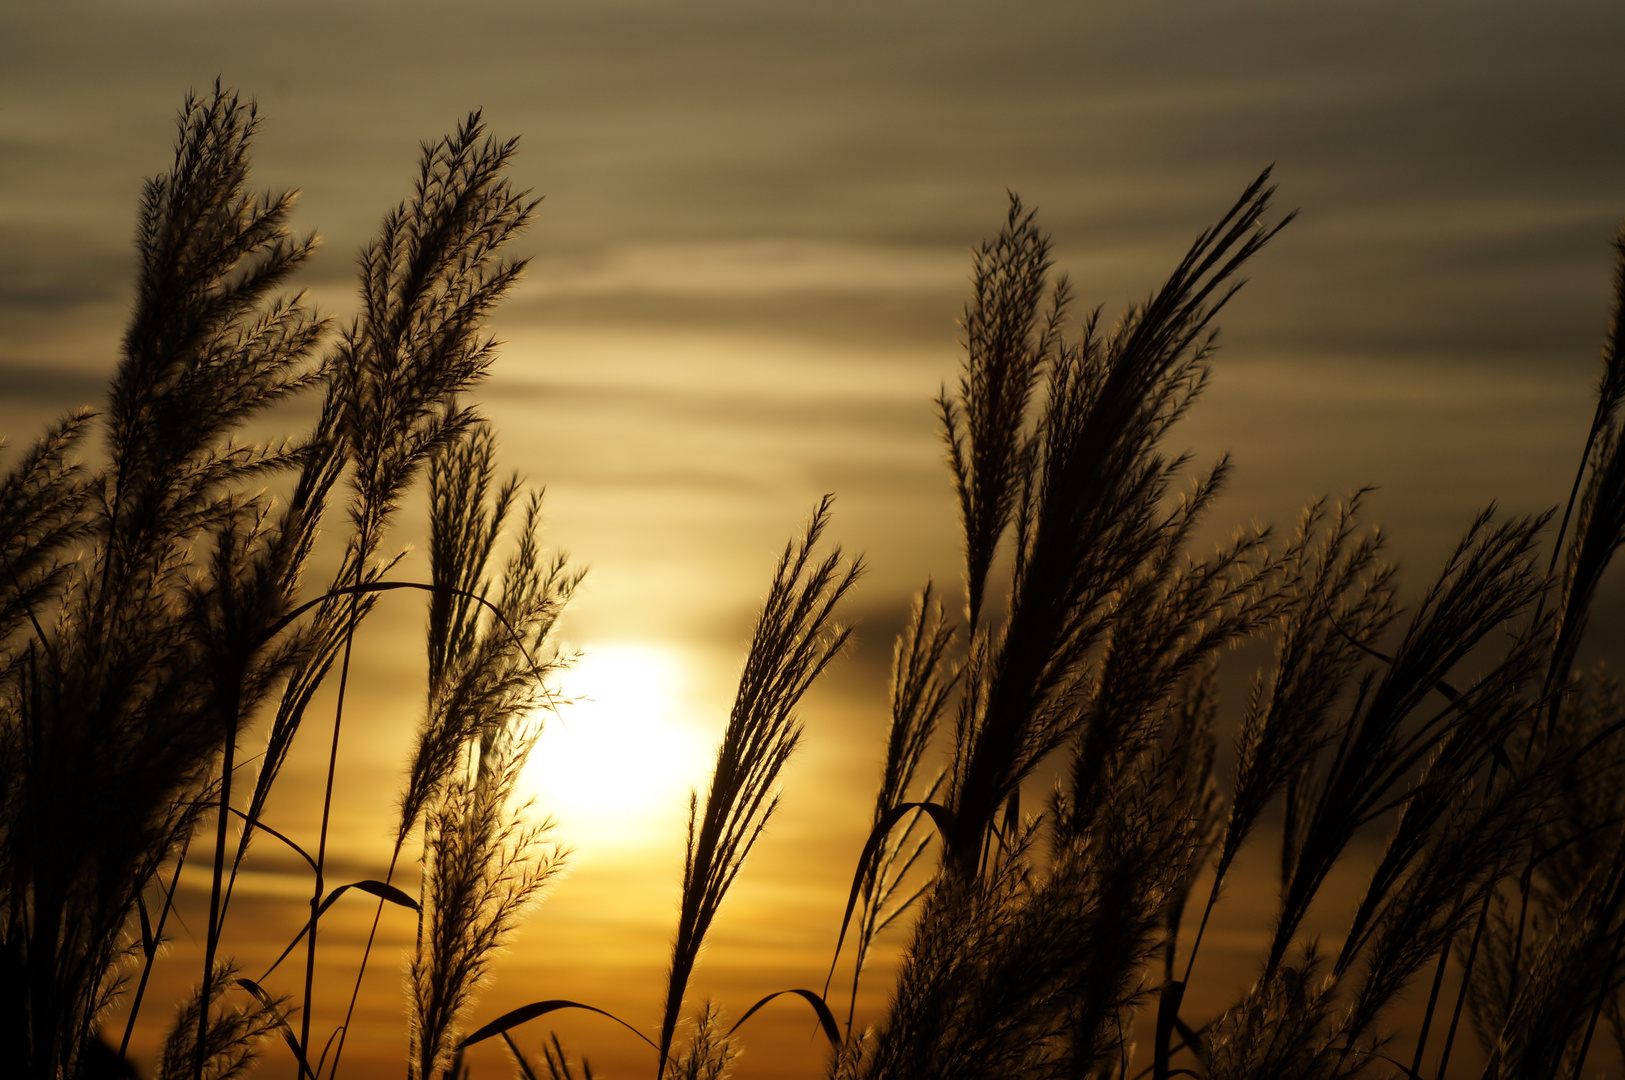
753 244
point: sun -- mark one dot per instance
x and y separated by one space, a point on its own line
615 765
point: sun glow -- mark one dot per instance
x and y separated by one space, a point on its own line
615 765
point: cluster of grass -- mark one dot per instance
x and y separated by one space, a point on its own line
155 615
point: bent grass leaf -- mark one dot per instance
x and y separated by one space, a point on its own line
270 1006
826 1019
382 890
257 825
321 1061
525 1013
374 587
940 816
264 828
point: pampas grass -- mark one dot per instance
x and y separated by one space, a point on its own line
921 685
794 640
150 604
231 1035
148 661
1089 520
482 866
153 609
1034 952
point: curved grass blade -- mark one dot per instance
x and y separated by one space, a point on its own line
370 588
940 816
281 1022
255 823
321 1062
525 1013
264 828
380 889
826 1019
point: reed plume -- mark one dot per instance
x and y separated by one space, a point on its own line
1547 963
232 1035
1489 579
794 640
554 1060
1028 966
921 685
153 659
483 868
427 284
709 1052
150 606
489 649
488 654
1089 519
1007 343
1284 1027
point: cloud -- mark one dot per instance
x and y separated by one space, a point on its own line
747 268
50 384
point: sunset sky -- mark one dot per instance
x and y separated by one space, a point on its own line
754 242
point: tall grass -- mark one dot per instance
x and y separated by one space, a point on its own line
1469 739
483 865
153 602
154 614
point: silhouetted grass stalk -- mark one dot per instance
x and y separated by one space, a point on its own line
793 641
427 284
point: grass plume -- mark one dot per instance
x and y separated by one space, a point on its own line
794 640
